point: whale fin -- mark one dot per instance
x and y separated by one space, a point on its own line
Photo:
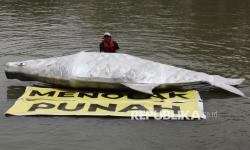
144 88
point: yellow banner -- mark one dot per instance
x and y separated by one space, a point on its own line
165 105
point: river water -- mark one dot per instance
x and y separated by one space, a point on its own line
204 35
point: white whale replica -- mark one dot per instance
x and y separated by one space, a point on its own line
111 70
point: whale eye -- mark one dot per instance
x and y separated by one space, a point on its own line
21 64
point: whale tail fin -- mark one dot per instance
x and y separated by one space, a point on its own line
230 88
228 81
227 84
235 81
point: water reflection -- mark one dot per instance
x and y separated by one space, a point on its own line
14 92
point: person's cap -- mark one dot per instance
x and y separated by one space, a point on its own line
106 34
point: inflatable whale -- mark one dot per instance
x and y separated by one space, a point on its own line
111 70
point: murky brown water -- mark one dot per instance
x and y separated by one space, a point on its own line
203 35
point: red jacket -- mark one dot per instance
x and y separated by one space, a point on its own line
109 47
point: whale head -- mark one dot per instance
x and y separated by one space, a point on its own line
23 70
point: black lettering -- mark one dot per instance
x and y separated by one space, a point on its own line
34 92
112 95
158 95
66 94
172 95
134 107
62 106
41 106
111 107
138 96
158 108
82 94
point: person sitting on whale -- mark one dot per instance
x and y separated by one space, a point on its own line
108 44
